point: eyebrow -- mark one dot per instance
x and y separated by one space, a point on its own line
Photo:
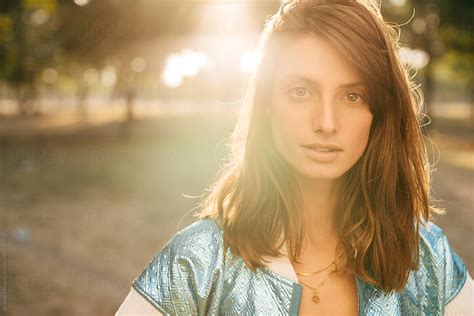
292 77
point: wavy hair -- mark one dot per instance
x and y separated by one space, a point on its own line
385 195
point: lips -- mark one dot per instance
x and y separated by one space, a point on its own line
322 153
323 147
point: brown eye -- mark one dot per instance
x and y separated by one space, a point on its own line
354 97
299 92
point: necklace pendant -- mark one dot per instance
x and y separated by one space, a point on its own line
315 297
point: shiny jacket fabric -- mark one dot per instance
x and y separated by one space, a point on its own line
194 275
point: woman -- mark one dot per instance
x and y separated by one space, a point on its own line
323 207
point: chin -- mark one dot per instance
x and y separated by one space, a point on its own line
323 173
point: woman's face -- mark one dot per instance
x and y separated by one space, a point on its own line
318 98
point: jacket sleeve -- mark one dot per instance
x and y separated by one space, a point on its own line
451 272
455 270
179 280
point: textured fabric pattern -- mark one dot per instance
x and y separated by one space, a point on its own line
193 275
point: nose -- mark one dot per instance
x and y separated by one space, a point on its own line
325 117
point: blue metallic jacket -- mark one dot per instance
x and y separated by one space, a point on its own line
194 275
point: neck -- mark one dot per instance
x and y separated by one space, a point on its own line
319 206
320 240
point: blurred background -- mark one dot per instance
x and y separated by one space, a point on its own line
113 120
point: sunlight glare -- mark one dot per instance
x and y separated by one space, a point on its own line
248 62
187 63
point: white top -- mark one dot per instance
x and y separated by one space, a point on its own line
462 305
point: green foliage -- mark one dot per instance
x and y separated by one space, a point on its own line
456 67
26 45
47 5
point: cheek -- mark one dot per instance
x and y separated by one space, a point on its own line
360 132
283 130
285 114
280 132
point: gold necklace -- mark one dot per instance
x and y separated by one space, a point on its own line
316 272
315 297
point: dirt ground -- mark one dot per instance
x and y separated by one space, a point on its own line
82 212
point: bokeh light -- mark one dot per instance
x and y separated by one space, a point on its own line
418 26
50 76
81 2
39 17
398 3
416 58
108 76
91 75
138 64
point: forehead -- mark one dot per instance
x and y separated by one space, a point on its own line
316 58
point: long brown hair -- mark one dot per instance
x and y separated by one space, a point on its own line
385 195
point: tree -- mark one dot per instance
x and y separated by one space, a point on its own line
26 46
